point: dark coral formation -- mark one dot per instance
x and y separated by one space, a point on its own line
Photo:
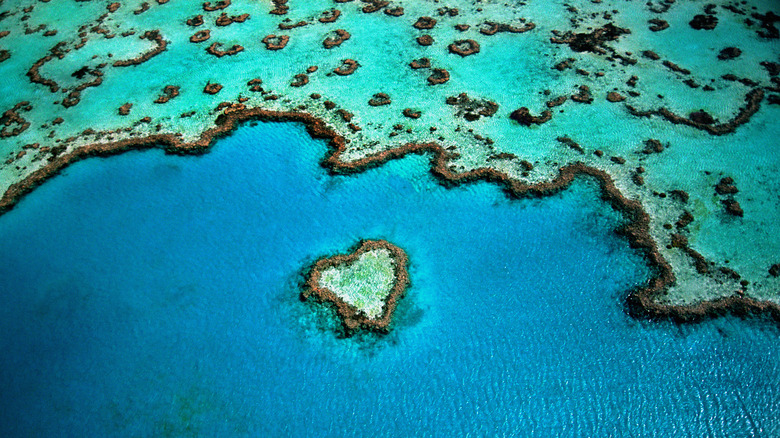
614 96
213 49
275 42
676 68
74 96
438 76
222 4
288 25
524 117
752 105
420 63
280 7
374 5
212 88
593 42
464 47
13 117
425 40
653 146
380 99
195 21
658 25
169 92
733 208
558 101
768 29
492 28
226 20
161 45
300 80
125 109
395 12
255 85
423 23
704 22
350 316
330 16
347 67
335 40
583 96
729 53
472 109
726 186
410 113
200 36
571 144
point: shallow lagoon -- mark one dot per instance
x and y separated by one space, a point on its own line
148 294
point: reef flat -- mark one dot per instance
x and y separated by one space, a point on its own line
671 106
364 285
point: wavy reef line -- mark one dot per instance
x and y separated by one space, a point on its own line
641 302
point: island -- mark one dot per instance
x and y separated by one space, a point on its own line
363 286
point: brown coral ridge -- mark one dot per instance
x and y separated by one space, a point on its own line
583 96
169 92
374 5
752 105
420 63
523 116
424 23
410 113
213 49
350 316
222 4
74 97
330 16
200 36
380 99
332 41
704 22
212 88
642 302
347 67
13 117
160 46
226 20
395 12
658 25
300 80
275 42
472 108
280 7
195 21
464 47
288 25
425 40
438 76
492 28
593 42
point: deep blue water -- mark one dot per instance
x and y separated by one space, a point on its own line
154 295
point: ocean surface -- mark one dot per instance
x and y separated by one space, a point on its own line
155 295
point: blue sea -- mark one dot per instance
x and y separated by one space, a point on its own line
155 295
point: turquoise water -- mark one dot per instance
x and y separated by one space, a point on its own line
154 295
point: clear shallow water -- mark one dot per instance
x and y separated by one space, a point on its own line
157 295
